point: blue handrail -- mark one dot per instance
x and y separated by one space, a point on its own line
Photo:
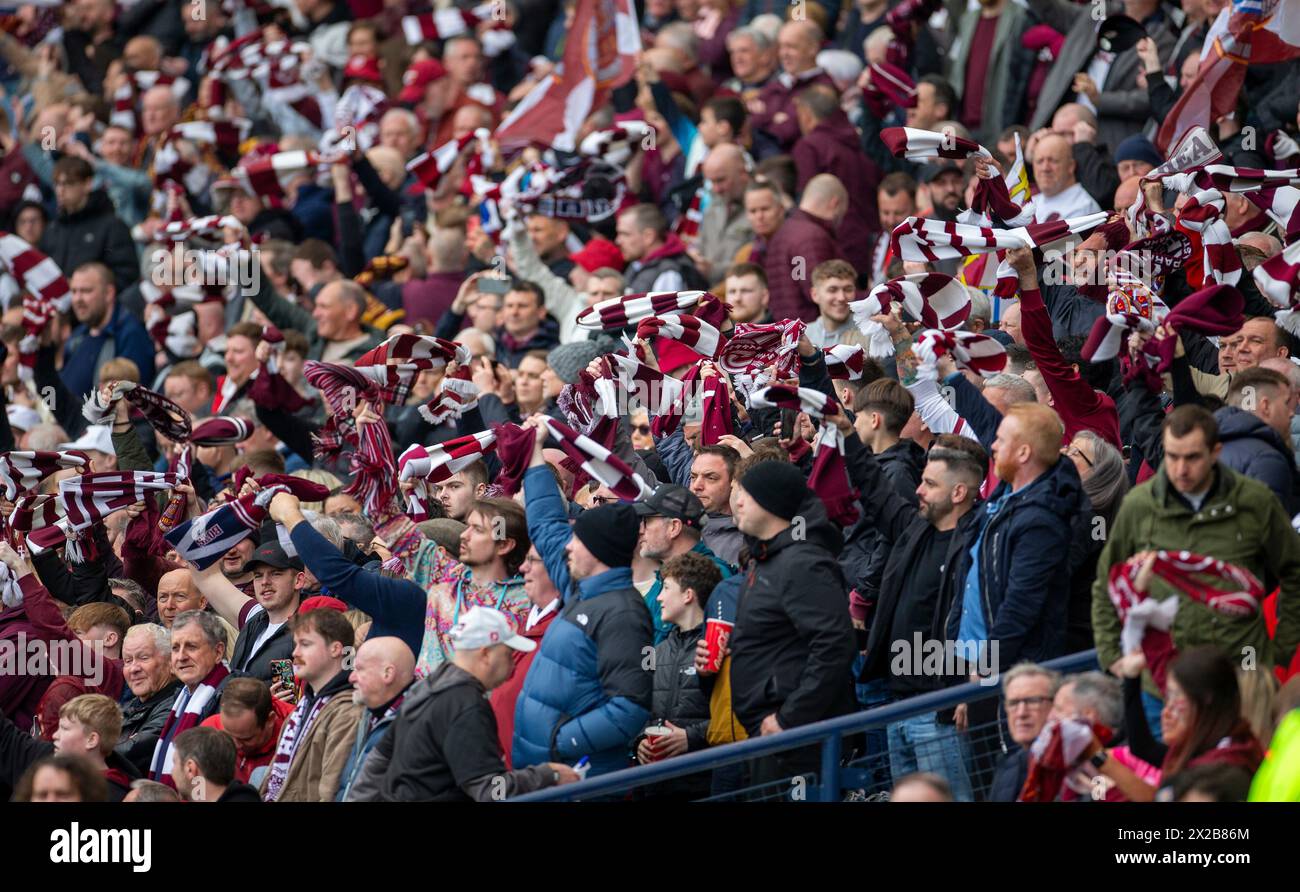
827 731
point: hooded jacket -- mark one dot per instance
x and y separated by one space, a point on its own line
793 645
93 233
835 147
443 746
506 694
322 751
1252 448
1023 558
670 257
370 730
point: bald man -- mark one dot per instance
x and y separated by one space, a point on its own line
143 53
1057 192
808 237
1127 193
773 114
383 670
725 228
1260 241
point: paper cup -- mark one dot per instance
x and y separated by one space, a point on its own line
717 632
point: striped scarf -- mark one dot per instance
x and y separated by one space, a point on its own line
1146 622
268 175
26 271
426 465
930 241
88 498
926 145
829 477
1131 306
294 731
715 407
934 299
1204 215
430 167
188 710
890 88
618 313
597 462
845 362
969 350
687 225
617 144
688 331
22 472
1278 279
163 415
756 345
443 23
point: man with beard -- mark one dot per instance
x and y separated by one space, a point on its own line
106 330
918 585
278 581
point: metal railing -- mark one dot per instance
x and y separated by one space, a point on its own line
829 782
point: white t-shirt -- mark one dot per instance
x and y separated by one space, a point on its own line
1072 202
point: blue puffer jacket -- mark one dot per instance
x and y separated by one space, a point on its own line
587 692
1024 554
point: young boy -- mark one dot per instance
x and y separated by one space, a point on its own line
679 703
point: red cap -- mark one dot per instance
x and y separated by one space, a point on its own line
323 602
597 253
363 68
674 354
419 76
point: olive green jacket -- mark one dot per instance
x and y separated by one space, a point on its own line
1240 522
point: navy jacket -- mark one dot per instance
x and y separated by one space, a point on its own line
1254 449
396 606
84 353
587 692
1024 558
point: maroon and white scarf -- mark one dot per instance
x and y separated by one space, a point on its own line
435 464
23 472
617 144
89 498
1146 623
928 240
443 23
268 388
268 175
687 225
163 415
845 362
689 331
430 167
934 299
1131 305
597 462
186 713
618 313
26 271
715 407
829 477
1278 279
1205 214
969 350
296 726
1274 192
926 145
890 87
754 346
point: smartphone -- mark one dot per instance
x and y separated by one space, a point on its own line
283 670
493 284
788 419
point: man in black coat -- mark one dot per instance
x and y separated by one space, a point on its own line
147 667
793 644
444 745
204 768
87 228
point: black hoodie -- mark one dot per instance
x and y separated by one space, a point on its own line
93 233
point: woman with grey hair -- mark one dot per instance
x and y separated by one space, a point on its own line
1105 482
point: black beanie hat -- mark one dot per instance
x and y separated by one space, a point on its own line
610 533
777 486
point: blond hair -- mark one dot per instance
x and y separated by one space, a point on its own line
95 712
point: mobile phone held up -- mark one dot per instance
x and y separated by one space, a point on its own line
283 671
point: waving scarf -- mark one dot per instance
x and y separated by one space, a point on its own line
829 477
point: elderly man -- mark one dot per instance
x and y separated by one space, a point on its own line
147 665
198 648
753 62
1058 194
334 328
1028 691
725 227
381 677
773 111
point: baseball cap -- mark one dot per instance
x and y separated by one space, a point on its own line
484 627
22 418
272 554
932 172
364 68
97 438
672 500
419 76
1119 33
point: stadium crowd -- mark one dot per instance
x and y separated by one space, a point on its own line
414 401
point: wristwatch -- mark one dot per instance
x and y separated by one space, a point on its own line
1099 759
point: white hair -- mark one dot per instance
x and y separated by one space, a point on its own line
162 639
842 66
326 526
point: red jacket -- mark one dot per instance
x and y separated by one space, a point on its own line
505 694
247 763
793 252
1080 407
833 147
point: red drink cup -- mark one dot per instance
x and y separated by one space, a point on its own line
717 632
653 733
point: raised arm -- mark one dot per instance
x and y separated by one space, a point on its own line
548 519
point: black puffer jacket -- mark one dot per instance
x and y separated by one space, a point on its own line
677 696
793 644
93 233
142 722
1254 449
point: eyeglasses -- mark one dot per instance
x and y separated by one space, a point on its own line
1076 452
604 500
1031 702
641 428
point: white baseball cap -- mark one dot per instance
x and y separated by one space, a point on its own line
484 627
22 418
97 438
